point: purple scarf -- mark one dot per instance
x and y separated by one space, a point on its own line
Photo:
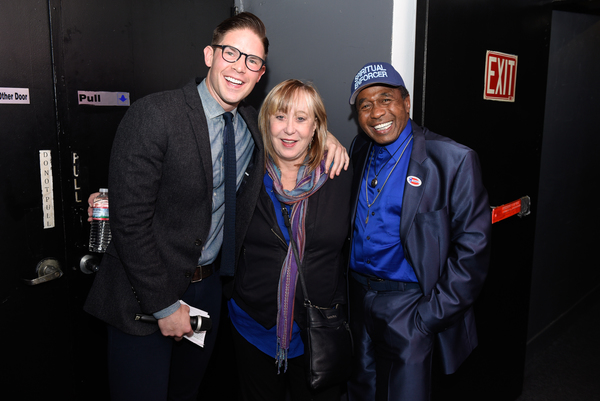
306 185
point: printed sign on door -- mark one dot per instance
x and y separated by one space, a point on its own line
500 76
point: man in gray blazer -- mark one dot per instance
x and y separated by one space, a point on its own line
166 185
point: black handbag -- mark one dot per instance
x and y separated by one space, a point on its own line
328 345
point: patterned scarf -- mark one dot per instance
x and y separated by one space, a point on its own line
306 185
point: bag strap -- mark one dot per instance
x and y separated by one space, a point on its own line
288 224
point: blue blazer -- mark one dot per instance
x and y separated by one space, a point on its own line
445 231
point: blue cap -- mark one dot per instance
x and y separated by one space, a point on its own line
374 73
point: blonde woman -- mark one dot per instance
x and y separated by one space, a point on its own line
266 308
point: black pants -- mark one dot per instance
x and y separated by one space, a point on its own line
158 368
259 380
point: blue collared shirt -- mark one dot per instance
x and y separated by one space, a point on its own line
376 246
244 146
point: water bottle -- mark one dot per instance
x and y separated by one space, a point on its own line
100 230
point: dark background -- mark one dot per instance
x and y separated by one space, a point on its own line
543 146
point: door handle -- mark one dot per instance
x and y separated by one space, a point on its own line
47 270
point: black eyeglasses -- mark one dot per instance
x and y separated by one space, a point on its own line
231 55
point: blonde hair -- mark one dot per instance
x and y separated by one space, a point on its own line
280 99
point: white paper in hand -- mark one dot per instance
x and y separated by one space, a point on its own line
197 338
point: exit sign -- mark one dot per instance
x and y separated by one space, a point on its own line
500 76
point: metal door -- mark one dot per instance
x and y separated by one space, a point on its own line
453 38
55 153
35 314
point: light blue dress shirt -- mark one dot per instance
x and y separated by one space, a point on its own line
244 146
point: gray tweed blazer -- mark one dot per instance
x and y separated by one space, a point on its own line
160 186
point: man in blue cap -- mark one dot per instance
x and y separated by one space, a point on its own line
420 244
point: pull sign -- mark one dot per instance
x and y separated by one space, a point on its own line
47 188
500 76
103 98
521 207
76 187
14 95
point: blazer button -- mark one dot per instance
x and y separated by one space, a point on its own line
198 242
188 275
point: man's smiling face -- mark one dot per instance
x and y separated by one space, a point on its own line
382 113
230 83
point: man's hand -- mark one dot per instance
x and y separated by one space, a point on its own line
177 325
91 203
337 154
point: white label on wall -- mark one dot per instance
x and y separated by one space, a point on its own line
103 98
14 95
47 188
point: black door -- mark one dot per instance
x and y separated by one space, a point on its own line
55 153
453 38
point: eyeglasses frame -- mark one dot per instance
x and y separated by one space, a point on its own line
222 47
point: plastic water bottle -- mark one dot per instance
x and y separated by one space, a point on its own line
100 230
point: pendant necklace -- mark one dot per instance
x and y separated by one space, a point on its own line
374 181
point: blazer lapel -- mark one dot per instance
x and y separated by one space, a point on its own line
256 165
359 153
200 128
413 194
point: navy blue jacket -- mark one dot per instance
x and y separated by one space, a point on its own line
445 231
